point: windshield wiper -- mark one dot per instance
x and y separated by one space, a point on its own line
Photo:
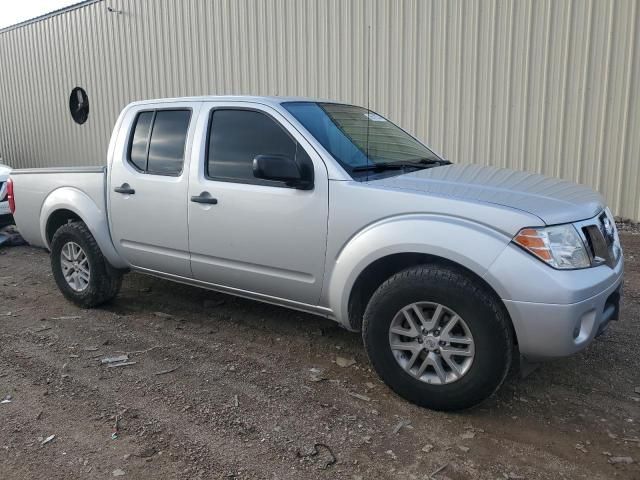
431 161
418 163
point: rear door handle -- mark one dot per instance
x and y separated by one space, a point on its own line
204 197
124 189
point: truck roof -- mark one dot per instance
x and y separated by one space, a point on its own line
268 100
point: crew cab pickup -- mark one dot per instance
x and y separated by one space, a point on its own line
449 271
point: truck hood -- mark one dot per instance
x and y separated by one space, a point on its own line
553 200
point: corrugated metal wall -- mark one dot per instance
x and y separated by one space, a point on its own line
544 85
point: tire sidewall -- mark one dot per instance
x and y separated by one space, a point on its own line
66 234
490 337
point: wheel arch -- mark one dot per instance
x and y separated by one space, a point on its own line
70 204
376 273
392 245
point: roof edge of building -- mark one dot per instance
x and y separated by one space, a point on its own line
53 13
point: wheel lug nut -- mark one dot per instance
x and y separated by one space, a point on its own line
419 340
442 342
437 350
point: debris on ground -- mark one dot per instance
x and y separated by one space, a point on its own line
400 425
236 403
146 452
7 399
463 448
123 364
48 439
68 317
427 448
316 375
10 237
136 352
468 435
163 315
628 226
116 428
438 470
361 397
118 472
315 451
116 359
163 372
621 460
345 362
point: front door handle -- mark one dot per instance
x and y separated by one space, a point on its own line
124 189
204 197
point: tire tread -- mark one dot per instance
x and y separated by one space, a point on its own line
107 280
440 274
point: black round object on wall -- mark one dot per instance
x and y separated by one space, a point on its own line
79 105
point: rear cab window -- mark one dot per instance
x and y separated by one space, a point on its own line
158 141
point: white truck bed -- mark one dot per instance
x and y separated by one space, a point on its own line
33 186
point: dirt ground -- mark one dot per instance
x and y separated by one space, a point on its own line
228 388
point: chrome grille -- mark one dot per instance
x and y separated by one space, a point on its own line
601 240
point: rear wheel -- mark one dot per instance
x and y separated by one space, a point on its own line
438 338
80 270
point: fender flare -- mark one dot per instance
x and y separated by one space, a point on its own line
469 244
78 202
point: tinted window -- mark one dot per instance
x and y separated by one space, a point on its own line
138 152
168 138
236 137
356 136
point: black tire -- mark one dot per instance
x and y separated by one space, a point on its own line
484 315
104 280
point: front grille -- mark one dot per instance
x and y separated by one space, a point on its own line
601 239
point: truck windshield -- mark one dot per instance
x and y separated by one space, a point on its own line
361 140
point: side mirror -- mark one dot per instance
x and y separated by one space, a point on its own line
280 168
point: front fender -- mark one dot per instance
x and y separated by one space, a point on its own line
78 202
472 245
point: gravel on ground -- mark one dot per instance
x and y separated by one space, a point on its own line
213 386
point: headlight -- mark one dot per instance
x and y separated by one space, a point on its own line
559 246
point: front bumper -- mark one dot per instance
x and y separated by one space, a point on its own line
557 313
550 330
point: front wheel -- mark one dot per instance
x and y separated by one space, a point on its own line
80 270
438 338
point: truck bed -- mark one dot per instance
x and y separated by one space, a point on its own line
33 186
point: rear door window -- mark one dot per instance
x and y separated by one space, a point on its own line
158 141
140 140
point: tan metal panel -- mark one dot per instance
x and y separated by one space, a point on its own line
547 85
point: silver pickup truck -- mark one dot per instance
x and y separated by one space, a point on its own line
449 271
